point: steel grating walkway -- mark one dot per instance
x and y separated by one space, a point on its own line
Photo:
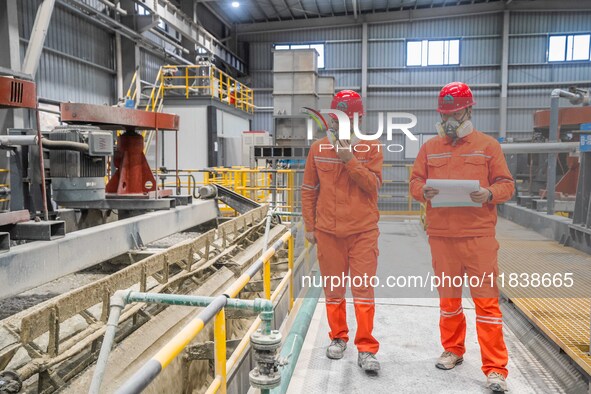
407 329
562 314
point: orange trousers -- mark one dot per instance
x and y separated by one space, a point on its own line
355 256
474 257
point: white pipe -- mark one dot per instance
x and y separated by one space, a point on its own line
540 147
13 140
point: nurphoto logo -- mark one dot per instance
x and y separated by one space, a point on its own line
344 128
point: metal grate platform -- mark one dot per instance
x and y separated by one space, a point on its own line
562 314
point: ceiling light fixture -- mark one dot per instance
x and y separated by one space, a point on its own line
235 4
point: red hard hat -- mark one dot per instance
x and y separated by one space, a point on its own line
348 101
455 96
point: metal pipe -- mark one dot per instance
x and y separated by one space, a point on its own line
118 302
540 147
14 140
267 229
148 372
65 145
294 341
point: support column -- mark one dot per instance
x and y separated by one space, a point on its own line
10 45
364 61
35 47
504 76
130 52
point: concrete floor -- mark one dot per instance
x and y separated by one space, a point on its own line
407 329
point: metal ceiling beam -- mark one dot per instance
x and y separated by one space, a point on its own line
99 19
252 17
275 9
261 10
414 15
190 30
318 8
289 9
229 24
380 17
303 9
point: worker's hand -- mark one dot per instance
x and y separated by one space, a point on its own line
344 151
429 192
481 196
310 237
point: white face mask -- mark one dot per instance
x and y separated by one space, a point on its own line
454 129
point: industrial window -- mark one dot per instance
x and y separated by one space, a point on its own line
319 48
568 48
432 53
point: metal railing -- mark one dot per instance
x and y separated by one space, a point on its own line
207 80
215 310
280 187
397 189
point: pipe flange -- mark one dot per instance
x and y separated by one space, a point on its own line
262 381
273 339
10 382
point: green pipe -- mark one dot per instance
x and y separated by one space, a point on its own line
213 305
257 305
294 341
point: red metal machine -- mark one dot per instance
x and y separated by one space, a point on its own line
17 93
133 176
569 119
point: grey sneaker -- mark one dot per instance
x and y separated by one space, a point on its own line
368 362
496 382
448 360
336 349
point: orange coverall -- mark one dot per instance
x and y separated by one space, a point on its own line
463 240
340 205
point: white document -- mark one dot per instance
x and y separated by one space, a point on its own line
454 192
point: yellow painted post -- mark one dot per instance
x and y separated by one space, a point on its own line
267 278
187 82
291 191
290 256
210 73
219 337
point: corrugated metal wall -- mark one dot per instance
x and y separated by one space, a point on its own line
77 63
392 86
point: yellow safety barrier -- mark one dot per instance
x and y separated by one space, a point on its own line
207 80
410 208
223 367
256 184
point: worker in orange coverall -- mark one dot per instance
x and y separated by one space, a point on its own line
462 239
340 211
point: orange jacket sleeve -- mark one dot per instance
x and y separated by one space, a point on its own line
310 189
419 175
500 179
368 176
